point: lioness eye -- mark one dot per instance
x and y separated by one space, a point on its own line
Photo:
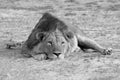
63 42
49 43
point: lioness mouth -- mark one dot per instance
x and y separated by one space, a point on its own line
57 54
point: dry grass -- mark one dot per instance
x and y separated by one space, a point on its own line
99 19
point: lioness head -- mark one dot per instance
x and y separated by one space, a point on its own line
55 44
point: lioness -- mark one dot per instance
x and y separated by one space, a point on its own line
52 38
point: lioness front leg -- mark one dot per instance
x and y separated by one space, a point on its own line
87 43
40 57
13 44
26 52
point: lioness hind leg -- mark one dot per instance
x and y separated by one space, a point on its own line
86 43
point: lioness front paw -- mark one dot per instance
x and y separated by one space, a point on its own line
10 45
13 44
40 57
107 51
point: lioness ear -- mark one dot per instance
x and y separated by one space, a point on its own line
40 36
69 35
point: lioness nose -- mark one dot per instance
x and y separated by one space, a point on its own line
57 54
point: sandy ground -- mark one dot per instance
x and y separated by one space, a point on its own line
99 19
